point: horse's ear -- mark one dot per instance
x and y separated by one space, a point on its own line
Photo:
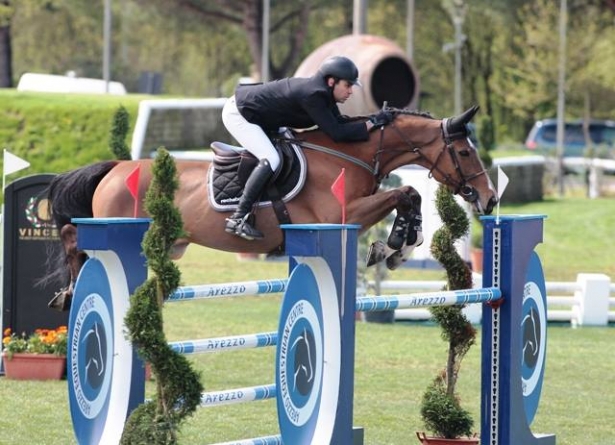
457 123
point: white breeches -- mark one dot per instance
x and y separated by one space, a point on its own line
250 136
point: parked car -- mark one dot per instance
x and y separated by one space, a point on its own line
542 138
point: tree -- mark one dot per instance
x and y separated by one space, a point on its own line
527 81
6 59
288 19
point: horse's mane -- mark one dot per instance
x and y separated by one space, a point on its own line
397 111
408 112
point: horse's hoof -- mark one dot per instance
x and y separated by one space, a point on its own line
60 301
395 260
376 253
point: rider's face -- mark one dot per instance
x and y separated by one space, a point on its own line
342 90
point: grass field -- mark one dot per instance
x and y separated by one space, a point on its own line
394 363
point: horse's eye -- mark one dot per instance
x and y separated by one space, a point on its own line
465 152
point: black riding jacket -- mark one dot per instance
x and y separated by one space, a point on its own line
297 103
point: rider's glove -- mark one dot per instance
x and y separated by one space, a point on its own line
381 119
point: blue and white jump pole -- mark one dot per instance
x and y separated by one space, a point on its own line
315 339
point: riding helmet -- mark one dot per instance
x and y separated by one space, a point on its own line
341 68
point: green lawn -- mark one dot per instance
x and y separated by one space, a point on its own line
394 363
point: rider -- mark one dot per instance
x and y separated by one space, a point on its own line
260 109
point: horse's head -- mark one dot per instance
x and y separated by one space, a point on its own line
445 149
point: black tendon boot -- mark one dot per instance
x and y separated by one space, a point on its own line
239 223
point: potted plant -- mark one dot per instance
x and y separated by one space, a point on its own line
41 356
441 410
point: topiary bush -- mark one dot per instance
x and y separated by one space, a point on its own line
178 386
441 410
119 132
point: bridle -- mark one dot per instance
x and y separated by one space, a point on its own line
459 186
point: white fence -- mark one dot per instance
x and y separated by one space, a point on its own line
588 301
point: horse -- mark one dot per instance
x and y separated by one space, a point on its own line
440 145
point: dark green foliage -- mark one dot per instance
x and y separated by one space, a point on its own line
59 132
440 408
179 387
119 131
443 413
456 225
140 429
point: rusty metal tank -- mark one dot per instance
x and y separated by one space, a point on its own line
384 70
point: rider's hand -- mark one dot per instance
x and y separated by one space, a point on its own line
381 119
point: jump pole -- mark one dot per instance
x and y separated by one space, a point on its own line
319 304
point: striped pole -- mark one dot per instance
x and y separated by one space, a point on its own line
427 299
231 343
239 395
242 288
267 440
363 304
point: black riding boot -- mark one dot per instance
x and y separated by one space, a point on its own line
238 223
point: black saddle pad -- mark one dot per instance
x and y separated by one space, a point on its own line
232 166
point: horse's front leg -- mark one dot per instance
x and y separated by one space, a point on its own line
372 209
406 232
408 222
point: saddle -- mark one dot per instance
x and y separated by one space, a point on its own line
231 168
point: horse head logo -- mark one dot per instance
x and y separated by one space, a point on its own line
95 353
305 350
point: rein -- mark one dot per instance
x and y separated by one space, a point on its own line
338 154
460 186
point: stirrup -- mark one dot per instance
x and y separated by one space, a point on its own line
242 227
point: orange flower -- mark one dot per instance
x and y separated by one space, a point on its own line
7 332
42 341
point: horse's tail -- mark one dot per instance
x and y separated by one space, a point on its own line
70 196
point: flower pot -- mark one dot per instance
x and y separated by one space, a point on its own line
424 439
24 366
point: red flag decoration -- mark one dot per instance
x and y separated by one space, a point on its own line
339 191
132 182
